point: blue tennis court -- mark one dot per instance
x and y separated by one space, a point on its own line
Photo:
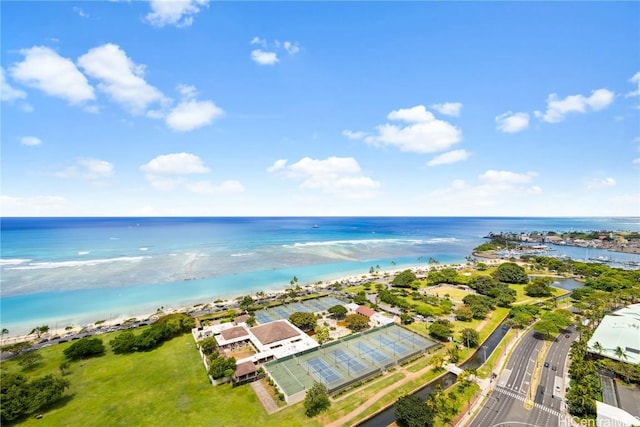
366 349
412 338
347 360
340 363
323 370
284 311
314 306
397 348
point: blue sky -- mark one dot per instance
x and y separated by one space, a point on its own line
320 108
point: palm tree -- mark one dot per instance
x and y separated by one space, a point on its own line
437 360
598 347
5 331
620 353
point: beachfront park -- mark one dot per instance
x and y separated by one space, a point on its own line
168 384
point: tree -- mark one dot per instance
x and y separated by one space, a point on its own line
546 327
220 367
412 411
510 272
29 360
404 279
356 322
322 334
304 321
440 329
316 400
598 347
620 354
539 287
470 337
39 330
209 346
437 360
339 311
22 397
124 343
5 331
84 348
561 318
163 329
464 313
454 354
251 321
360 298
246 302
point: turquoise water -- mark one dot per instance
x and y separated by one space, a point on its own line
79 270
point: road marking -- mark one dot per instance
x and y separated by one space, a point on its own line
527 402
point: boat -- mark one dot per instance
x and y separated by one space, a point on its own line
316 226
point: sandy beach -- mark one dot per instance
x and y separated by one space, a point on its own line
106 324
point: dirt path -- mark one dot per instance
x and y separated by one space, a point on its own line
264 397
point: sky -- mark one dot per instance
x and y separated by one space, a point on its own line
342 108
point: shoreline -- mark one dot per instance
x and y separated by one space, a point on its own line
229 300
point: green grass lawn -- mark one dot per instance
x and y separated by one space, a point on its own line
454 293
166 386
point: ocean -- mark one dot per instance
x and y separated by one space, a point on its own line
75 271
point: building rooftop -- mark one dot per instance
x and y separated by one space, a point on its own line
365 311
244 369
241 319
619 330
232 333
273 332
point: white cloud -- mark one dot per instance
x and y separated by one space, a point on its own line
291 47
187 91
30 140
49 72
257 40
277 165
506 177
190 115
511 122
120 77
601 183
423 134
262 57
268 52
31 206
207 187
496 190
339 176
557 109
7 92
635 80
448 108
354 135
449 157
175 164
636 161
80 12
171 171
179 13
89 169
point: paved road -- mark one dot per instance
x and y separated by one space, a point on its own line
506 403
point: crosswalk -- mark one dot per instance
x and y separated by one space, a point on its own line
521 398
